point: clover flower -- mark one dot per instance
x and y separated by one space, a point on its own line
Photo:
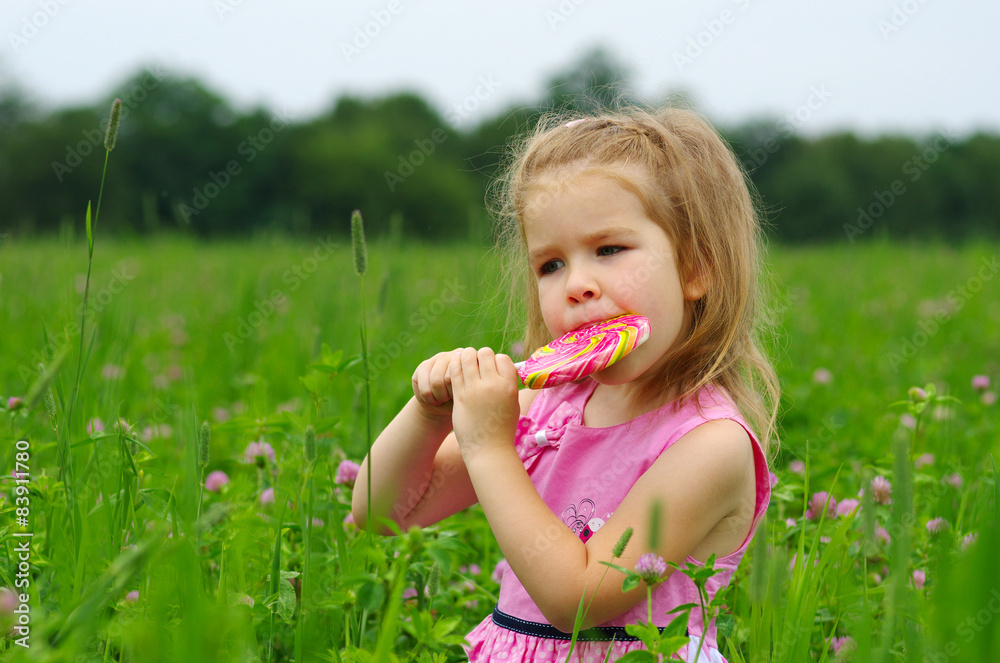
499 570
847 507
347 473
818 502
846 643
937 526
216 480
980 382
822 376
258 453
651 568
881 490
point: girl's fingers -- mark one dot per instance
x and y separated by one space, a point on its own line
431 381
505 367
456 371
470 363
438 379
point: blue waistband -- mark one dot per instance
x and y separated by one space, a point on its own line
539 630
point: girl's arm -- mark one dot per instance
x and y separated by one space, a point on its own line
700 481
418 476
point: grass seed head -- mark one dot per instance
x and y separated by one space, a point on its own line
619 548
112 133
310 444
203 443
358 244
434 581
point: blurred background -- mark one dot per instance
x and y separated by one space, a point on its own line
243 116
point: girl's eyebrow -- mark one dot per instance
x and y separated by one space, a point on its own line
595 237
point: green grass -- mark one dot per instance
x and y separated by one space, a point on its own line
232 333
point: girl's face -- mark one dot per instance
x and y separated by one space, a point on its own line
595 255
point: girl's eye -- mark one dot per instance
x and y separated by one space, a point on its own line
609 250
550 267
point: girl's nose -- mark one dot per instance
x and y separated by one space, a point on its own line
581 286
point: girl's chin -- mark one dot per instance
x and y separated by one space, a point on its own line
617 374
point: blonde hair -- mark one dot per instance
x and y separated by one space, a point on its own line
697 192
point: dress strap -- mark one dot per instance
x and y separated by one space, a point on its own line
540 630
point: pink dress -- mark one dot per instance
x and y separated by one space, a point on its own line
583 474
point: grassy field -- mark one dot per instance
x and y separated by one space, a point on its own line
131 558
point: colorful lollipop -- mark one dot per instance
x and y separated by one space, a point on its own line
583 351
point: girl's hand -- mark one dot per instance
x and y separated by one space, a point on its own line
486 409
432 386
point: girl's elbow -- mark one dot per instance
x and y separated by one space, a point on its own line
561 614
359 512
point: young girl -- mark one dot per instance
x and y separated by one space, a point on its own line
635 213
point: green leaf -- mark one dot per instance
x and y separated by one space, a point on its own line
446 626
670 645
648 633
637 656
39 386
286 601
686 606
677 626
631 582
371 596
276 562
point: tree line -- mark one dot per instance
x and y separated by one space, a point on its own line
187 161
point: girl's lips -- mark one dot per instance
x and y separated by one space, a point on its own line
598 321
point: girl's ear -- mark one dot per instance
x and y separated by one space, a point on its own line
698 282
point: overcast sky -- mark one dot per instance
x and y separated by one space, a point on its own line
914 66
